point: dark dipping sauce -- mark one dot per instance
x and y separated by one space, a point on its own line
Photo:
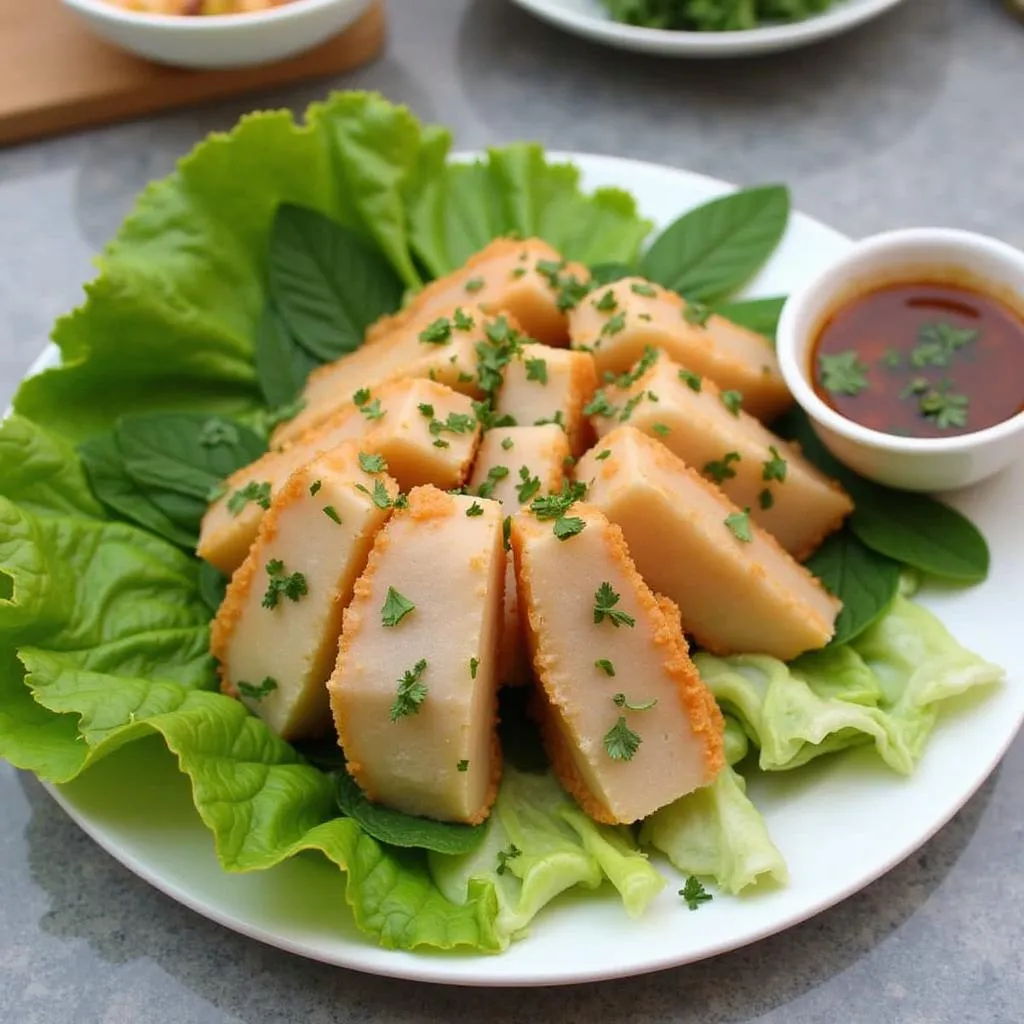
922 360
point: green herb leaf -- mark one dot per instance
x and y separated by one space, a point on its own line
605 600
528 486
404 830
265 689
692 380
733 401
474 664
507 443
694 894
332 513
504 856
620 700
255 491
602 455
620 742
644 289
697 314
213 586
372 463
411 692
865 581
774 468
438 332
938 343
361 397
292 586
758 315
282 365
537 369
721 469
568 526
396 607
315 487
766 499
474 510
739 525
462 766
605 666
379 495
844 373
608 273
713 250
600 406
327 283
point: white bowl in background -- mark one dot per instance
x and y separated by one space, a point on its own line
220 40
934 254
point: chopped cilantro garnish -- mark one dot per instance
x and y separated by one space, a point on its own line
766 499
607 303
620 742
775 467
314 488
215 432
694 893
462 766
494 474
600 406
696 314
844 373
739 524
411 692
267 687
643 364
258 492
474 510
644 289
537 369
692 380
621 701
661 429
438 332
474 284
379 495
506 532
504 856
605 666
568 526
293 586
372 410
462 321
426 410
372 463
732 400
721 469
627 409
601 456
614 324
396 607
528 486
474 664
507 443
362 396
332 513
605 600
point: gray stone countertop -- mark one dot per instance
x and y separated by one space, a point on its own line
914 119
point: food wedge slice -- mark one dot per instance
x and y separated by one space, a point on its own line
617 323
737 590
276 634
787 496
414 689
426 432
513 466
626 720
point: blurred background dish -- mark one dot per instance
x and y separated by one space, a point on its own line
233 40
592 20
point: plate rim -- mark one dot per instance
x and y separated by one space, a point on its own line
471 971
672 43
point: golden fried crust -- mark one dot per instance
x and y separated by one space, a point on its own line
663 624
672 463
582 385
501 258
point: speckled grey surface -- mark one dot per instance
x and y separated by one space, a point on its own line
915 119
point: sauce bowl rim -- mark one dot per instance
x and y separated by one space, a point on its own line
791 346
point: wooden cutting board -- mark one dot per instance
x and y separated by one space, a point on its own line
56 76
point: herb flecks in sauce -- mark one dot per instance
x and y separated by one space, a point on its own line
922 360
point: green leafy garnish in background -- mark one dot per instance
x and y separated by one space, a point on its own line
760 315
712 15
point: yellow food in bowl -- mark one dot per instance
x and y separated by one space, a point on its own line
198 7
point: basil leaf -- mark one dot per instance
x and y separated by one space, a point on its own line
116 490
912 528
398 829
921 532
282 365
865 581
609 273
167 452
213 585
760 315
327 283
710 252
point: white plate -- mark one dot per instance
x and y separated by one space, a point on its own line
840 823
590 19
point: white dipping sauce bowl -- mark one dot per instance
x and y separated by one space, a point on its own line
220 40
933 255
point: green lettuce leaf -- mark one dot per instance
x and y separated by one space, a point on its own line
717 833
539 844
170 322
884 687
463 206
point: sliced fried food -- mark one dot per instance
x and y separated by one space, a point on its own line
737 590
790 498
513 466
619 322
547 385
276 634
626 720
426 432
414 689
527 279
443 349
